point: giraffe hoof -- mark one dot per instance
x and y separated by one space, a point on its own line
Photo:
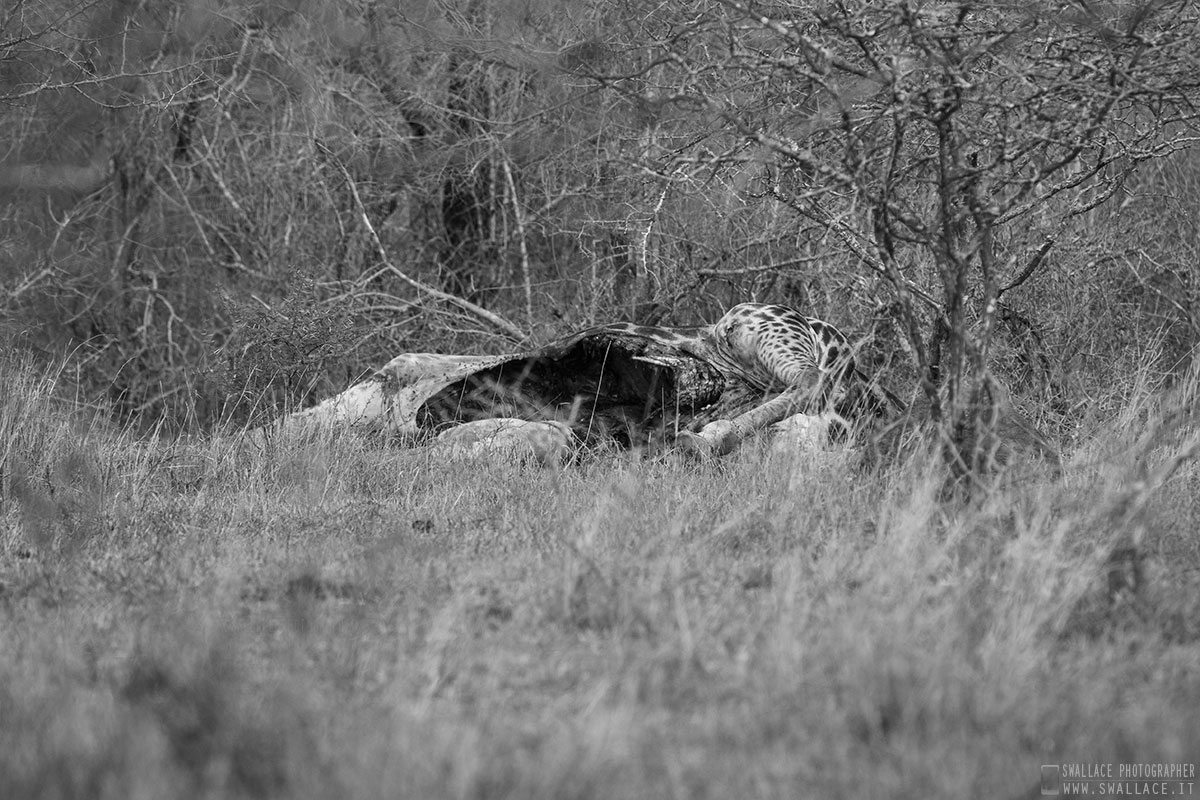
714 439
695 447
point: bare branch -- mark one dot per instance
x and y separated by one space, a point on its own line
389 268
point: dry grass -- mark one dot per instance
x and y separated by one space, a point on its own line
337 618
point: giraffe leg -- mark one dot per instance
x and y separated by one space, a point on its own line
724 436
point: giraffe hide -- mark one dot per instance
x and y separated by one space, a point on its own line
620 383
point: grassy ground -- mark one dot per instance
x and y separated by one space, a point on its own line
342 619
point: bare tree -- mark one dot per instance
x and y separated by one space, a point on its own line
946 145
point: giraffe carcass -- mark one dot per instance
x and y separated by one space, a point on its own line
621 384
626 384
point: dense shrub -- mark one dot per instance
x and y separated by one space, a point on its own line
192 194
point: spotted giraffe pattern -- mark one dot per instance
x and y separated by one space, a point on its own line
774 348
807 364
679 337
769 347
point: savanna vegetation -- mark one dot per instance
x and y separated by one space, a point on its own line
211 212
